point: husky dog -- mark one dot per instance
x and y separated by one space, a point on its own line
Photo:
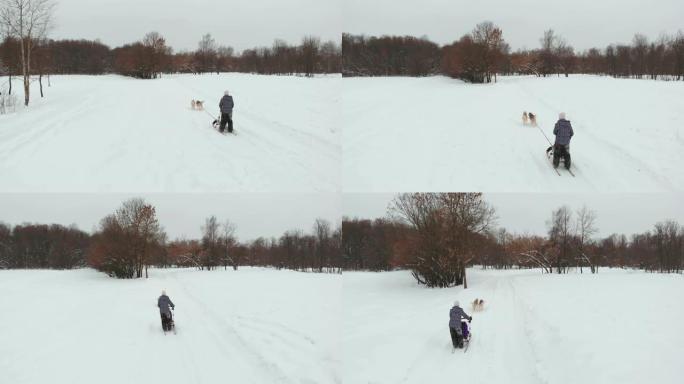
197 105
478 305
525 119
533 119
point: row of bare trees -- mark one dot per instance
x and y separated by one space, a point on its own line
389 56
373 245
318 251
437 235
131 239
151 56
25 22
482 54
53 246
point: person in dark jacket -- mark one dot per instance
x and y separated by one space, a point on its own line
455 315
226 104
561 148
165 304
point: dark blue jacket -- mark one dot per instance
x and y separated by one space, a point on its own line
563 132
164 303
455 316
226 104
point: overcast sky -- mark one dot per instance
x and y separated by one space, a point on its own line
240 24
182 215
583 23
528 213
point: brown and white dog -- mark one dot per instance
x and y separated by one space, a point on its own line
533 119
478 305
197 105
525 119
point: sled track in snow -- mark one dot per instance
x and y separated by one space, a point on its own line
635 164
256 359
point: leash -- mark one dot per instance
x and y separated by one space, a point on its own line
212 116
546 137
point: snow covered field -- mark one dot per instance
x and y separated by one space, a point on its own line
118 134
439 134
614 327
250 326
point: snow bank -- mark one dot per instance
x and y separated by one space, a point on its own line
249 326
439 134
614 327
118 134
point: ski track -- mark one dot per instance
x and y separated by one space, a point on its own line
597 143
238 348
498 352
112 133
447 135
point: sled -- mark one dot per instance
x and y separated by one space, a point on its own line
465 328
561 160
170 325
465 331
217 124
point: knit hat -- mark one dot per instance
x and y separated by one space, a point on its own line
561 116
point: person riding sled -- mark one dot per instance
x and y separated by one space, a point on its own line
455 315
165 304
226 104
561 148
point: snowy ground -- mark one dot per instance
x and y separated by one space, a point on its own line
439 134
249 326
118 134
614 327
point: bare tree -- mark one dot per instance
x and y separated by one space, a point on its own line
206 54
28 21
586 227
446 224
140 224
547 55
560 234
490 37
211 242
322 231
158 54
639 50
228 243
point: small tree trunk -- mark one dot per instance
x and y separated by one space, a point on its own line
40 81
465 281
27 89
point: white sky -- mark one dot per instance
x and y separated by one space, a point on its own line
238 23
583 23
182 215
528 213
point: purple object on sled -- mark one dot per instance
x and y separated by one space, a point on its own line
465 329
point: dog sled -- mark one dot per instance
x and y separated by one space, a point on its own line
465 335
559 155
217 126
168 324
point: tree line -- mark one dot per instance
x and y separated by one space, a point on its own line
26 51
151 56
438 235
131 239
480 55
